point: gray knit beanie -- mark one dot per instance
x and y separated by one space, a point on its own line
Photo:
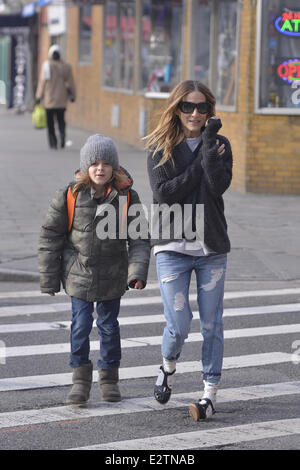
98 147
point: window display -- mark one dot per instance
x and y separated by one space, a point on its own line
279 48
225 64
214 42
161 43
85 33
118 52
200 46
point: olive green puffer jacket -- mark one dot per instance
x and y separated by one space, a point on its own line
89 268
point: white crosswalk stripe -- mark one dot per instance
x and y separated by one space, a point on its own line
57 380
154 285
143 319
37 293
140 341
134 302
268 334
135 405
207 438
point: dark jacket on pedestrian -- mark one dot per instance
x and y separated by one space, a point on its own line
199 177
89 267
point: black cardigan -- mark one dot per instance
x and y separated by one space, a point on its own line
199 177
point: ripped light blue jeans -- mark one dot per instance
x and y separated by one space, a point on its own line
174 274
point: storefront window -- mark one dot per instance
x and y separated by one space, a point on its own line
279 56
200 29
85 33
118 53
214 46
161 42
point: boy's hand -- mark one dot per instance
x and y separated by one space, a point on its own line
136 284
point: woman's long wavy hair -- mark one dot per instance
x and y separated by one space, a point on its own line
119 180
169 131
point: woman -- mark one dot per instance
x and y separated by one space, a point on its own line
190 165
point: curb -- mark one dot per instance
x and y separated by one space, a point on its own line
18 276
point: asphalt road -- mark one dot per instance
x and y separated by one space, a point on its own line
34 416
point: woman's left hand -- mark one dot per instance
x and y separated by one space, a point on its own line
221 149
211 118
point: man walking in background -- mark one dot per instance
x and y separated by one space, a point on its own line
56 85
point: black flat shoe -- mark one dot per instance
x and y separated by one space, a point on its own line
162 391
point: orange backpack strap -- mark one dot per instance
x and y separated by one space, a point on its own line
128 200
71 199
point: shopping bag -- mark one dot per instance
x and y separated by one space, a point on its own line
39 117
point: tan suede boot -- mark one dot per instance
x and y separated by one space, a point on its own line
108 381
82 382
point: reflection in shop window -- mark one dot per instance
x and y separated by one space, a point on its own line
214 42
118 53
279 53
110 49
224 83
85 33
161 41
201 19
127 31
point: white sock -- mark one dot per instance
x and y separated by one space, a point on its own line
169 366
210 392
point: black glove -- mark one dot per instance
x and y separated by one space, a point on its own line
209 136
213 126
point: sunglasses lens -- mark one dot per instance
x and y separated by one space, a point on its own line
203 108
186 107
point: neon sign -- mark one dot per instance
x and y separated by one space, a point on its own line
289 70
288 23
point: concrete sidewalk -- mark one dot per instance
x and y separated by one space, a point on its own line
264 229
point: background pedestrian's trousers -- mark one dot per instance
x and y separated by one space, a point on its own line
59 115
108 329
174 274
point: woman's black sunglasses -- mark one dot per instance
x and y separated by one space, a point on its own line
187 107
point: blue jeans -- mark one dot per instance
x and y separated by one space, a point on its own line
174 274
108 329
